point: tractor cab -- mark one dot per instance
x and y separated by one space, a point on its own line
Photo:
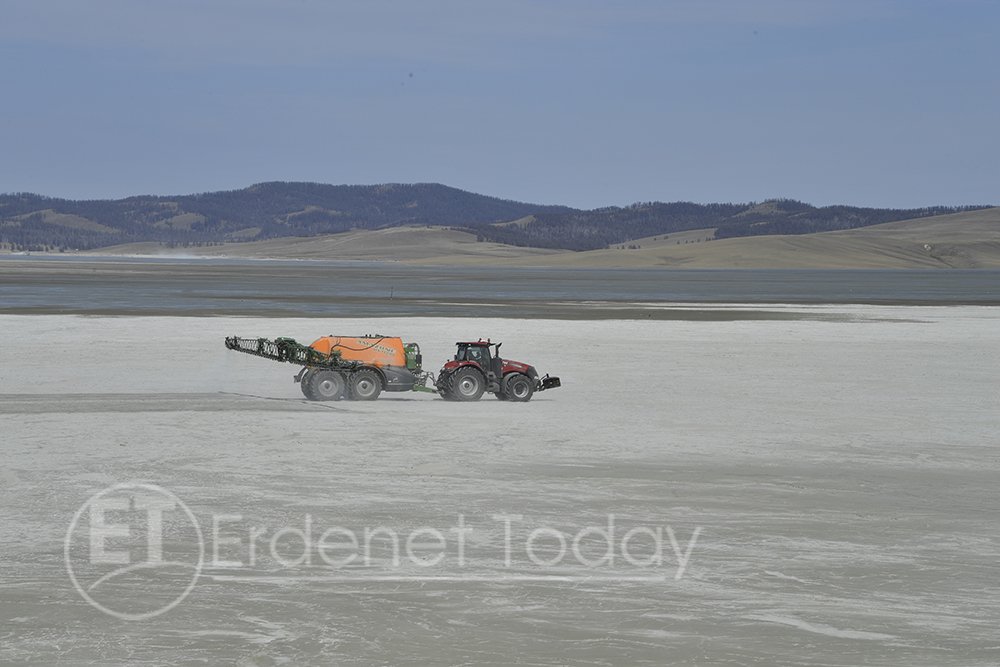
481 354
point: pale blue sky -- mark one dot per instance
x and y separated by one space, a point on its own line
880 102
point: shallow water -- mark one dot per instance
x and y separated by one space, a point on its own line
30 284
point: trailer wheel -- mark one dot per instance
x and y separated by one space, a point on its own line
366 385
467 384
305 385
518 387
326 385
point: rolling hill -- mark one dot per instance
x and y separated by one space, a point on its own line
435 245
285 210
962 240
262 211
969 239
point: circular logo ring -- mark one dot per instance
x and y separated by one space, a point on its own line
125 615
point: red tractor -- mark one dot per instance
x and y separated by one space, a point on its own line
477 368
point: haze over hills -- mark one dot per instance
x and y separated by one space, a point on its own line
284 210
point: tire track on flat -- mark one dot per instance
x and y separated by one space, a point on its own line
13 404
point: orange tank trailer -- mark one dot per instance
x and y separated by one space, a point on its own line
378 351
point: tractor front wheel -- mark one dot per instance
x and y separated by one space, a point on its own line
443 385
366 385
518 387
324 386
467 384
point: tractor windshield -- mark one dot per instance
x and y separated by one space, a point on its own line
476 353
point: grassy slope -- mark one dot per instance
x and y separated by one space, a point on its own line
961 240
414 244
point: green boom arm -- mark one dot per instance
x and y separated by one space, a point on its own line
287 349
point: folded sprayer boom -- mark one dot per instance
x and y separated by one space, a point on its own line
288 349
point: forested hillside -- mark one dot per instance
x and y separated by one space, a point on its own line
274 210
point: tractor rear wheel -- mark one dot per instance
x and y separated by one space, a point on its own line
366 385
467 384
518 387
326 385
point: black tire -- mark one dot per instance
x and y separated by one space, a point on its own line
518 387
327 385
466 384
306 386
366 385
443 386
